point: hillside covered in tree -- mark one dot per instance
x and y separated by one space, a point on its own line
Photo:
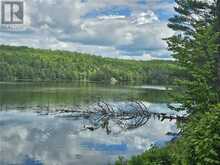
28 64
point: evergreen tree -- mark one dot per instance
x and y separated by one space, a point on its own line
195 47
190 14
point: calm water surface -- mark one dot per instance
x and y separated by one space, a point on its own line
29 138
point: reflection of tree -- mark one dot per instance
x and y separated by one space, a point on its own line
104 115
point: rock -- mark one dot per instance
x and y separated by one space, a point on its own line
113 81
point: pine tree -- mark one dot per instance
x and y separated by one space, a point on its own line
194 47
190 14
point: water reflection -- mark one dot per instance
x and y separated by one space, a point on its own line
52 137
59 141
32 94
124 115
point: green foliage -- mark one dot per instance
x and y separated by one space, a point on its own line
201 138
198 59
154 156
21 63
188 11
197 51
199 144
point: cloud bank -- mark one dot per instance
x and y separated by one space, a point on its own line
128 29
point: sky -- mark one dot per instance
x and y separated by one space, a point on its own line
126 29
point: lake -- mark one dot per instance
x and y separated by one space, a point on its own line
39 124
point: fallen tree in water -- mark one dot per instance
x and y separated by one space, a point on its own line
105 115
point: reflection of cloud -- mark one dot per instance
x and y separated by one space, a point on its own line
58 141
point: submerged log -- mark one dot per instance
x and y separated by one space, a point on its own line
104 115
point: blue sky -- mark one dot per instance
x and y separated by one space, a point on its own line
127 29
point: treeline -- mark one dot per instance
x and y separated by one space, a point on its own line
196 48
22 63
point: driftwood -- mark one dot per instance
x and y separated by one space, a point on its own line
101 114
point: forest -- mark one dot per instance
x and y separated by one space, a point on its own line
196 48
28 64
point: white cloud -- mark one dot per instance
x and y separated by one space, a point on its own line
111 17
61 24
145 18
144 57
